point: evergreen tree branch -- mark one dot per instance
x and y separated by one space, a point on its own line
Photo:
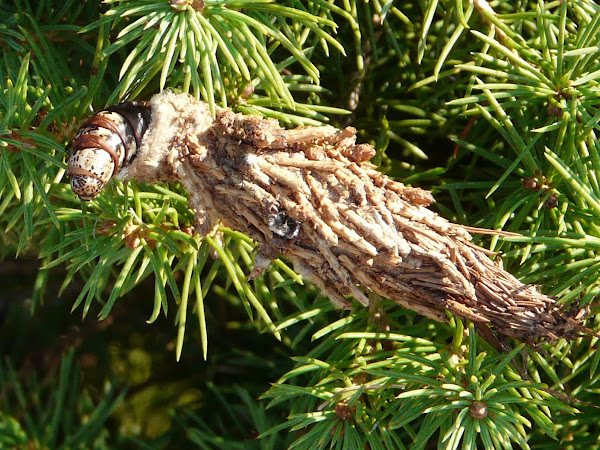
529 70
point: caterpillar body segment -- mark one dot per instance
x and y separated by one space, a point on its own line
106 142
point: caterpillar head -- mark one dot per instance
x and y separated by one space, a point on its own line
90 169
94 154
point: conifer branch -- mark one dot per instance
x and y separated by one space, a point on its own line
381 376
231 47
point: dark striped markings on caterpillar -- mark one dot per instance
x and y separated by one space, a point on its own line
105 143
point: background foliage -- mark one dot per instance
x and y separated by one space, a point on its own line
493 106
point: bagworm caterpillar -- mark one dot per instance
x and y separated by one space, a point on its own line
105 143
311 195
